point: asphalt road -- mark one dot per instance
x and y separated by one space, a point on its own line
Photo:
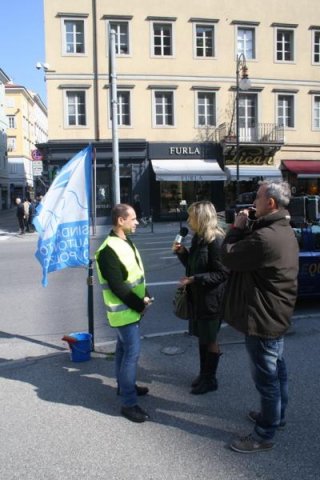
61 419
40 317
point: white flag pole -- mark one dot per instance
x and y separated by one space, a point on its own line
114 110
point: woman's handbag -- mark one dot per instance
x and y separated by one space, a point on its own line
181 303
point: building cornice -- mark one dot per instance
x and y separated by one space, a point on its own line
284 90
72 15
284 25
74 86
203 20
245 22
117 17
162 87
161 19
204 88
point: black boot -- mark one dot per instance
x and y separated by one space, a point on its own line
203 357
208 382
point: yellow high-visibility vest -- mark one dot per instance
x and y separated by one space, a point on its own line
118 313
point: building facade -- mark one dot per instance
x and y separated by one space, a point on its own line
186 129
27 126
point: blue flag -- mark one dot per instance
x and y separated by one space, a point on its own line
62 218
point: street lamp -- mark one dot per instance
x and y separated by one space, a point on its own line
242 83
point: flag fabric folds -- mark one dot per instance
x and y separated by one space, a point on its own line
63 216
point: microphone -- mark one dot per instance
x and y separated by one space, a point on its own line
183 233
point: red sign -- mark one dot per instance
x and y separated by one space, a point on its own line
36 155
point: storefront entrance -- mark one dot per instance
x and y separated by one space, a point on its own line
182 174
172 193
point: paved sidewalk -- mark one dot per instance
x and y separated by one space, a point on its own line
60 419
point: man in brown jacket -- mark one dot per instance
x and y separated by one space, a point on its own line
261 295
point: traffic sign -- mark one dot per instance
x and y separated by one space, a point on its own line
37 168
36 155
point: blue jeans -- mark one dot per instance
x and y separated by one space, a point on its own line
269 373
127 356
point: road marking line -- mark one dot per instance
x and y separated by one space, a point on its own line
150 249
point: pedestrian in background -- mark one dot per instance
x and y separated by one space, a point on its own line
121 273
26 206
137 206
32 208
260 299
205 280
20 215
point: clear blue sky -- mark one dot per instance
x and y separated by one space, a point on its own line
22 43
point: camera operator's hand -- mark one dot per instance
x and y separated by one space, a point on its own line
241 220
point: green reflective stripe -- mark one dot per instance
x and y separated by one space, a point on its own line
131 285
116 308
137 282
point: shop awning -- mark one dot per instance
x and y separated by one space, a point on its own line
249 172
193 170
303 168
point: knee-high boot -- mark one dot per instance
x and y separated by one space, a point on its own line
202 357
209 381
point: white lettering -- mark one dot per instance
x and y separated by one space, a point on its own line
70 247
184 150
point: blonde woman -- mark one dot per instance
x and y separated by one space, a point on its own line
205 279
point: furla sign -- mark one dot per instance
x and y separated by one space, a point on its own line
184 151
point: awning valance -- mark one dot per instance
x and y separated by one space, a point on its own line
191 170
303 168
249 172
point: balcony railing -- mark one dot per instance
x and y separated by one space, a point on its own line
261 133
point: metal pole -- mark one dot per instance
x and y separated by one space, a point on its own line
114 110
90 302
94 191
237 131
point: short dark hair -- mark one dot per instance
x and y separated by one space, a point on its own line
119 210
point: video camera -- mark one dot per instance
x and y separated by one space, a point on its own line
230 213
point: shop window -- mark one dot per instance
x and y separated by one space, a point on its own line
171 194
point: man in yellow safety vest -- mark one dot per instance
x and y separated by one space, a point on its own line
121 273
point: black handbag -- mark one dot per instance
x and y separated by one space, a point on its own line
181 303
